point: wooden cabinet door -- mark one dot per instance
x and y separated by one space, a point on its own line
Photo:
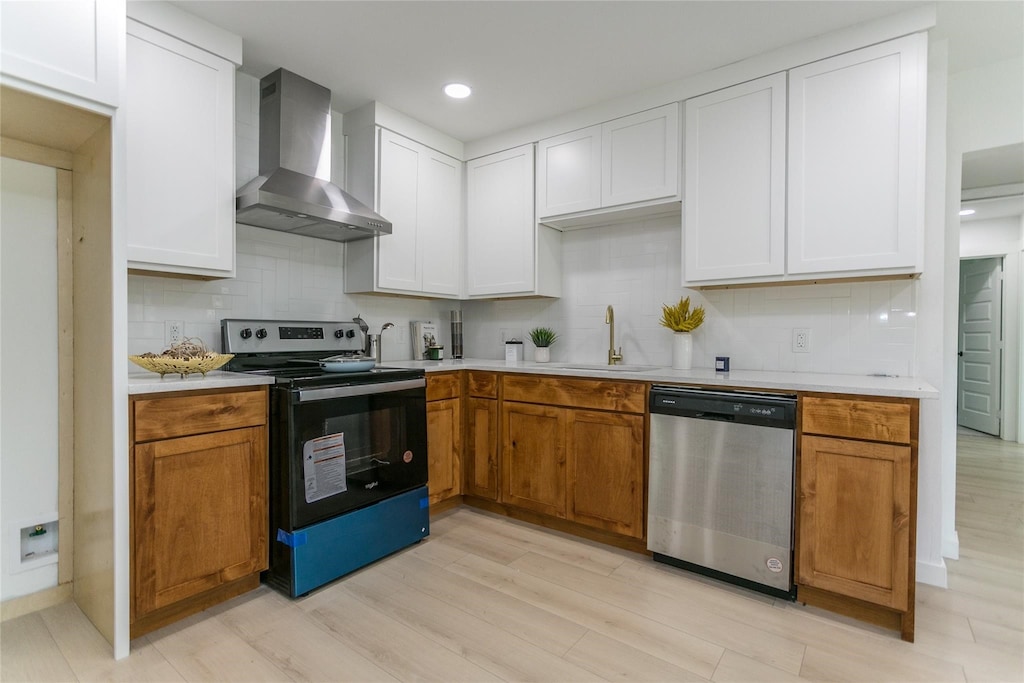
482 447
606 471
640 157
533 457
856 160
500 225
180 132
854 514
444 446
736 147
569 172
200 514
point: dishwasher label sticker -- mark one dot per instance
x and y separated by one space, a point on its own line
774 564
323 465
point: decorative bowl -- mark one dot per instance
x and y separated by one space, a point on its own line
182 366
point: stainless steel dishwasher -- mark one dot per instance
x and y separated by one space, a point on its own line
721 485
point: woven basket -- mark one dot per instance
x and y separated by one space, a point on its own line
182 366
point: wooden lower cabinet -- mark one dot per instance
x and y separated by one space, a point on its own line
533 457
606 471
199 502
444 446
857 508
481 461
444 436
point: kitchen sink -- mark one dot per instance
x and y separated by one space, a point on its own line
610 368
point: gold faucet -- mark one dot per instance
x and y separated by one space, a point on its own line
609 319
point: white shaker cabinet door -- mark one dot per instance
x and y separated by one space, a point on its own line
67 47
735 207
569 172
856 160
640 157
398 194
500 224
440 228
180 115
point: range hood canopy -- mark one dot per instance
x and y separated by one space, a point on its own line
287 195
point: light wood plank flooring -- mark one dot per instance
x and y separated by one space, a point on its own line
488 599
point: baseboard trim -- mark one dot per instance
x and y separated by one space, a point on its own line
951 546
33 602
932 574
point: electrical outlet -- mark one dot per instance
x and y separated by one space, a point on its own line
801 340
174 331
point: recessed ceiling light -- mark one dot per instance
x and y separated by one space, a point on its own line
457 90
966 212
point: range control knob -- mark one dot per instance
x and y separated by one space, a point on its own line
261 333
350 334
339 333
245 333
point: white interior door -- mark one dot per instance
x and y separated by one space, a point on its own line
979 367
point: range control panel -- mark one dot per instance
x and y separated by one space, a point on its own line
278 336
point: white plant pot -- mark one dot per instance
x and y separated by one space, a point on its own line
682 351
542 354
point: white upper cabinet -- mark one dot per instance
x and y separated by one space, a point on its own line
640 157
735 208
508 253
856 159
569 172
420 191
71 48
180 115
629 161
841 184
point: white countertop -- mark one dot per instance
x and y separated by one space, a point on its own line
152 383
904 387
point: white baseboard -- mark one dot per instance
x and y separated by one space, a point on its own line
951 546
33 602
932 574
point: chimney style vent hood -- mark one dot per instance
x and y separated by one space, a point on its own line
287 195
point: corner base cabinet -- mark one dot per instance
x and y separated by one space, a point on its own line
857 508
199 501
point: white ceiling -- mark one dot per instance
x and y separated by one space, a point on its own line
530 61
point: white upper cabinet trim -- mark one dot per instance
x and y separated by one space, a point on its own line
735 198
856 148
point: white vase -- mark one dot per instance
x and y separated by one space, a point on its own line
542 354
682 351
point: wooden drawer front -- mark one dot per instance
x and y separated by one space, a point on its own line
857 419
443 385
623 397
483 384
174 416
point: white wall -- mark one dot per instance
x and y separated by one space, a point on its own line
28 363
1002 237
856 328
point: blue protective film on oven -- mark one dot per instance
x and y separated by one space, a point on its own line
424 502
291 540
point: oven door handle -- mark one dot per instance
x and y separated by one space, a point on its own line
306 395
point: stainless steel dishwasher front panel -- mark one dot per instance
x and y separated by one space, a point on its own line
721 497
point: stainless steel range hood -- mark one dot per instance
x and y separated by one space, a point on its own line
287 195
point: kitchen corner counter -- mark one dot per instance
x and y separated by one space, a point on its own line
152 383
867 385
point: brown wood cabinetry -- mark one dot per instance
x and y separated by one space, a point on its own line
444 436
857 507
481 451
574 449
199 501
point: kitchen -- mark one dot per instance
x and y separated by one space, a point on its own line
285 276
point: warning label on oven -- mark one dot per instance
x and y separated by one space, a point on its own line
323 464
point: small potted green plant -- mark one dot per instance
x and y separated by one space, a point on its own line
542 338
682 320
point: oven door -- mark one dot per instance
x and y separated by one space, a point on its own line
345 448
